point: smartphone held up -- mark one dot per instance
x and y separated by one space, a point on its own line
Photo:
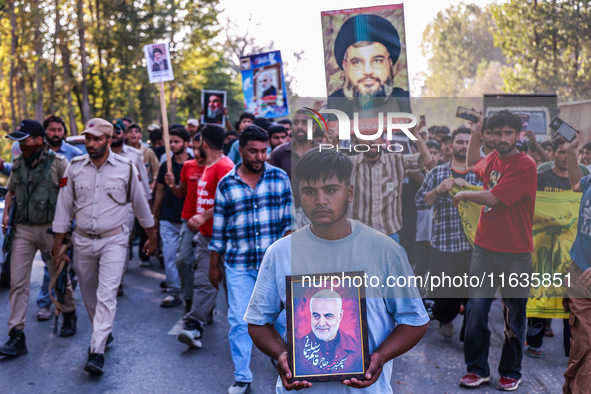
563 129
467 114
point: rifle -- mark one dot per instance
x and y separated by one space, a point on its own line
59 279
6 250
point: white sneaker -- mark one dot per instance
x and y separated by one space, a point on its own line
191 338
239 388
447 329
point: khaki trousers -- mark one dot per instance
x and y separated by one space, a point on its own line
99 265
578 373
130 223
28 239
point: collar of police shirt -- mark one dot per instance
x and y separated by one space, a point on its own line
110 159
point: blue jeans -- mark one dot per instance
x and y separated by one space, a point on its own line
240 286
169 232
43 300
477 337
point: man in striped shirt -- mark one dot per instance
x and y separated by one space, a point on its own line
377 176
252 210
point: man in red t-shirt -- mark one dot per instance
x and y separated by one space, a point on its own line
204 294
503 246
187 188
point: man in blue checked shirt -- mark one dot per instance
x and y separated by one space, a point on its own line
253 205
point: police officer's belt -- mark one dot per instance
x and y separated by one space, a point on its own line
101 235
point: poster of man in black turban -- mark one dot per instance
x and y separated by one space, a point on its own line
365 54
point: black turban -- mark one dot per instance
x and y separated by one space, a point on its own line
371 28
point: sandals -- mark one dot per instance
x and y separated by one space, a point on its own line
170 301
549 332
534 353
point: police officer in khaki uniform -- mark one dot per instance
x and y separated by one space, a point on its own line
33 185
137 158
133 139
135 155
95 191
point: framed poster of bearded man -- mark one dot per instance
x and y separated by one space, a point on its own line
326 330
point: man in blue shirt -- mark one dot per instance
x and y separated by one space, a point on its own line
252 210
56 132
396 317
579 283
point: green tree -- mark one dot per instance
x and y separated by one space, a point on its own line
546 44
83 58
461 50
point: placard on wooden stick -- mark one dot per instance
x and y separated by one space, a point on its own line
160 71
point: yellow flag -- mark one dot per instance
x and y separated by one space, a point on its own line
554 231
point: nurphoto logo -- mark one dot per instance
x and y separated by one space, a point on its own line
364 129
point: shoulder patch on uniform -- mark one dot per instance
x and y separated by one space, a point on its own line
60 156
63 182
123 159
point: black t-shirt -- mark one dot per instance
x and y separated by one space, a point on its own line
159 151
408 232
172 206
548 181
456 174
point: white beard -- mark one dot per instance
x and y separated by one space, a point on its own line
213 113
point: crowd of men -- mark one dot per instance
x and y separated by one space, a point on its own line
245 208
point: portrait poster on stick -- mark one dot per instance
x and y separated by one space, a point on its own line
326 329
158 61
213 103
263 85
159 71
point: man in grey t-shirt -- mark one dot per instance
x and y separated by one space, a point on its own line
332 243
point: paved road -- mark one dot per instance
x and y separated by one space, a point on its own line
147 358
